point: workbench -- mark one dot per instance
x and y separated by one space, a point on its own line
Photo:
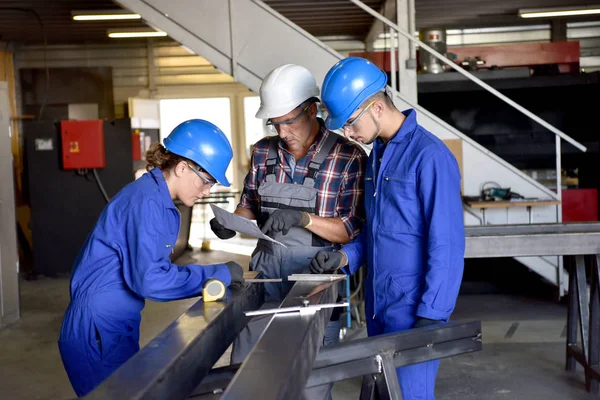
484 205
580 244
177 363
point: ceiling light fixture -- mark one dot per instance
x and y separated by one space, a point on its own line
559 11
104 15
135 34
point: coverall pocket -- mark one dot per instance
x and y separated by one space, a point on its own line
400 205
274 195
123 349
398 294
117 348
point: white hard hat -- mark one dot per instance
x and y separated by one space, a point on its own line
285 88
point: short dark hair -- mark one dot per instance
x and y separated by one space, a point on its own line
381 96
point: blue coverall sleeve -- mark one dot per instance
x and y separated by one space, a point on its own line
355 250
148 269
439 191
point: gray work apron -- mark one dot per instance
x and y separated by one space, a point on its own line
275 261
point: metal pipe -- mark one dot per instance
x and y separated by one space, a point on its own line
558 177
393 60
232 43
560 270
478 81
411 29
471 212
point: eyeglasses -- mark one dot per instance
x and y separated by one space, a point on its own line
349 123
272 125
206 181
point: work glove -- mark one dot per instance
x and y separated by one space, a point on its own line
421 322
327 262
220 230
283 220
236 272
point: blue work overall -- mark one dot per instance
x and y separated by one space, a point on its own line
275 261
125 259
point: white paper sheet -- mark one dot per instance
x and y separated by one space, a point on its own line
240 224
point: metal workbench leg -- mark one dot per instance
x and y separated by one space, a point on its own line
388 386
367 389
383 385
582 298
594 333
572 316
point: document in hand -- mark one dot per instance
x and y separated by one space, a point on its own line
240 224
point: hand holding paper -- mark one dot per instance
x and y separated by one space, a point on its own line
239 224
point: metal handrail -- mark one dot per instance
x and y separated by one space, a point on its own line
470 76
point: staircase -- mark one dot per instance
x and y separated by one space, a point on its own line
246 39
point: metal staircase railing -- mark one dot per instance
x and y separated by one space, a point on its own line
557 132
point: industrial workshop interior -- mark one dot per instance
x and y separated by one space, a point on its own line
256 252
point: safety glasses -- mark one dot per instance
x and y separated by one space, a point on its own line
273 125
206 181
349 123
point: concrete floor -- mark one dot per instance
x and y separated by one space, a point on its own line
522 356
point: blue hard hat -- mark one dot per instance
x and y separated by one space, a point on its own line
203 143
347 85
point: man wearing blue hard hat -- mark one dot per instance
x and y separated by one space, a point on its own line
413 240
125 259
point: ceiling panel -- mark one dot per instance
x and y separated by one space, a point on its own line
19 22
478 13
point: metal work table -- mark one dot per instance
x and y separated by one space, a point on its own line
580 244
532 240
177 363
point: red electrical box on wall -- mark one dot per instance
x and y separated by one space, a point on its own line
83 144
136 145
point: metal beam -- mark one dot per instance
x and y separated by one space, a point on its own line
359 357
176 360
530 229
533 245
532 240
280 363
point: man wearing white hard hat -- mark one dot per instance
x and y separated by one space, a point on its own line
304 188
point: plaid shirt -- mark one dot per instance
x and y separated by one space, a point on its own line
339 182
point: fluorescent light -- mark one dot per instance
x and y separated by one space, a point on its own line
559 11
107 17
104 15
135 34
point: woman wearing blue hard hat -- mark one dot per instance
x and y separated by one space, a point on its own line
413 238
125 259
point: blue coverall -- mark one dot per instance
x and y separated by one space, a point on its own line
124 260
413 240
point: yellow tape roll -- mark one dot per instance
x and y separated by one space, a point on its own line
213 290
